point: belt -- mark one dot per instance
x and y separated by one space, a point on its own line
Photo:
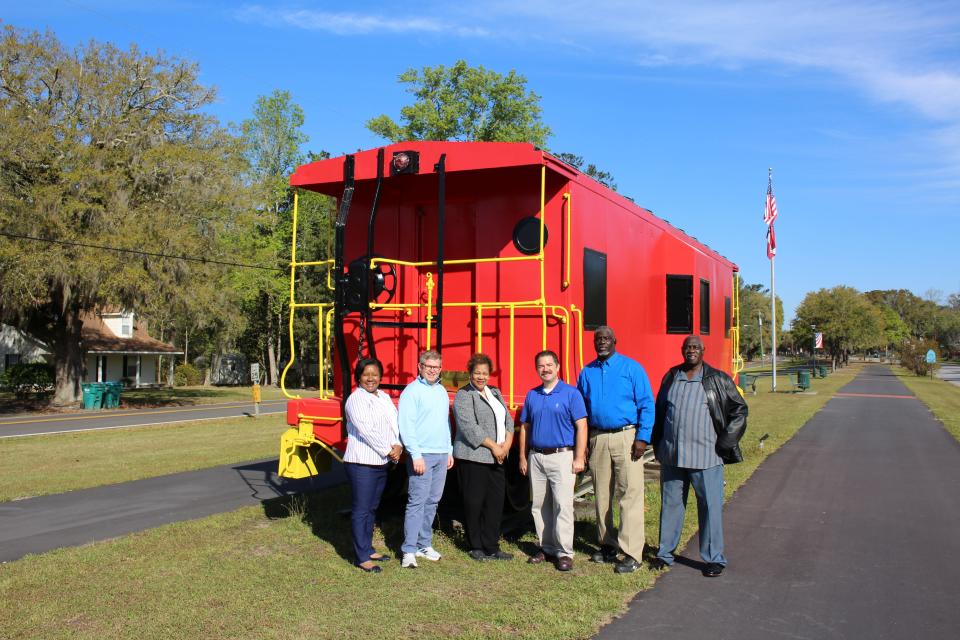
614 430
549 450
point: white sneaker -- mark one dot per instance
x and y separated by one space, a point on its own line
409 561
429 553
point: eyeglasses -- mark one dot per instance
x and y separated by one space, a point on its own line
431 367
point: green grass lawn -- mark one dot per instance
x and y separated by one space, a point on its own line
283 571
942 397
39 465
176 396
159 397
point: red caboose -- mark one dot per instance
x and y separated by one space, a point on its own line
500 248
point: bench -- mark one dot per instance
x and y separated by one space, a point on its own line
748 381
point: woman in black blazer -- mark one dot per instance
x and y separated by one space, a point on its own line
482 443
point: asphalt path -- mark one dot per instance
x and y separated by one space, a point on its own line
36 525
35 424
850 530
949 372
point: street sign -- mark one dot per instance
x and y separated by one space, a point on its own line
255 372
931 357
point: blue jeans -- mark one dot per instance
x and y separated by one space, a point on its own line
366 483
708 486
424 492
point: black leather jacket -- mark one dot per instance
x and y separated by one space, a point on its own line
727 410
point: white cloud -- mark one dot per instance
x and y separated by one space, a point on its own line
897 52
341 23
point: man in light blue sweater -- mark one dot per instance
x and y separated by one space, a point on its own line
424 421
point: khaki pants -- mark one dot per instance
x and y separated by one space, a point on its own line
617 477
551 482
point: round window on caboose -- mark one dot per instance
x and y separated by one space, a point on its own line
526 236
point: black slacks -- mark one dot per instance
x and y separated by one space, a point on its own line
483 487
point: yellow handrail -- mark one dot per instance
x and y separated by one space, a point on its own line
565 321
406 263
429 307
513 400
293 305
737 364
479 328
568 199
579 314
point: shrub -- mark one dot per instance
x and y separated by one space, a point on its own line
186 375
913 355
25 378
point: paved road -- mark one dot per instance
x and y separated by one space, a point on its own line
950 373
40 524
33 424
850 530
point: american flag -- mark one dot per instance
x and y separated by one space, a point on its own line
770 211
771 242
818 340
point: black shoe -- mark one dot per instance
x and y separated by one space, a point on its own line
627 565
712 570
605 554
658 564
381 558
479 556
500 555
373 569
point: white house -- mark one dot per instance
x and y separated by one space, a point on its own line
116 347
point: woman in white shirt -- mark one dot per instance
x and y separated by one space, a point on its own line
373 440
482 444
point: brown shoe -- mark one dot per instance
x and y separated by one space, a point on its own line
537 558
564 563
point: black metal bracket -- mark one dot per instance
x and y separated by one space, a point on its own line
441 169
339 305
367 311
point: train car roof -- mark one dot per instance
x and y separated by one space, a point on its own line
326 176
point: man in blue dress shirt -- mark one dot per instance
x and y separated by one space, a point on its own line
620 410
553 443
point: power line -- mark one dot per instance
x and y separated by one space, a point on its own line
151 254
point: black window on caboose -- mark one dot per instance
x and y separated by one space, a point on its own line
704 307
594 289
679 304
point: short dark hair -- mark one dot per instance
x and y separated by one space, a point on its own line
548 352
363 364
478 359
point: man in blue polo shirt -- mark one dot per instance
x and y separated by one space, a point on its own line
553 442
621 412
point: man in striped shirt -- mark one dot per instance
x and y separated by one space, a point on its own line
699 422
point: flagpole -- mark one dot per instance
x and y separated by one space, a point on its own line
773 321
773 299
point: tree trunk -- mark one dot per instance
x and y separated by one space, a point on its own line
68 355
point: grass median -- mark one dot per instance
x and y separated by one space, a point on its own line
942 397
284 571
39 465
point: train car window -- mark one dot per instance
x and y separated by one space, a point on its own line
679 304
526 236
727 317
704 307
594 289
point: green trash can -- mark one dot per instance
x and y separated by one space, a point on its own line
823 371
92 395
111 396
803 379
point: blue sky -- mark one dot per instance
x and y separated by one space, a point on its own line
855 105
